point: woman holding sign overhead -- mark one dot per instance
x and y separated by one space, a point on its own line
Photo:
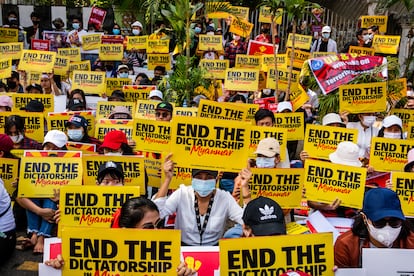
201 209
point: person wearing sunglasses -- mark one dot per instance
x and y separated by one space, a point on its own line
163 112
380 224
138 213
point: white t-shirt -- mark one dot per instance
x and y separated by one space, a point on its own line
7 222
182 202
364 137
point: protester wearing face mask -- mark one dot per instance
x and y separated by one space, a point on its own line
264 35
201 209
15 129
324 43
366 130
362 37
116 143
116 29
34 31
234 47
391 128
123 71
136 28
381 224
13 83
77 130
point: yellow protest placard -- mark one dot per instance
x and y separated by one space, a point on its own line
39 177
9 172
293 122
298 97
215 68
84 65
92 206
294 228
120 251
241 27
113 52
116 84
91 82
210 43
282 185
320 141
155 60
181 176
152 135
61 66
103 109
136 42
83 147
5 68
322 54
72 53
268 61
375 20
241 79
410 131
251 109
325 182
102 129
386 44
186 111
301 41
91 41
361 51
33 77
389 154
40 61
158 46
363 97
134 93
210 6
241 12
283 78
406 115
258 133
265 15
208 143
146 109
299 57
58 120
398 88
33 123
275 255
247 61
11 50
221 110
9 35
21 100
133 167
403 185
153 165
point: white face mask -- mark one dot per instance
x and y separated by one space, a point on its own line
386 235
16 138
368 120
118 153
365 37
135 32
325 35
75 134
203 187
392 135
265 162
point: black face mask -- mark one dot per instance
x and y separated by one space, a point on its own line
36 22
58 26
11 84
265 31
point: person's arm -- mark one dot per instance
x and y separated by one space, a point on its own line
46 213
55 89
168 169
324 206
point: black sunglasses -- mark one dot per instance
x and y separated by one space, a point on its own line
158 225
393 222
162 114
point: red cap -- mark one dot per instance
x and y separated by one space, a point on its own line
6 143
114 139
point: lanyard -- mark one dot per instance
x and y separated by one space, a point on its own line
201 229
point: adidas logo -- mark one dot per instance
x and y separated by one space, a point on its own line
267 213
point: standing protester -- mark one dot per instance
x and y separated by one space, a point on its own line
324 43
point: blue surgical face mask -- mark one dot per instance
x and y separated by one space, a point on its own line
75 25
135 32
326 35
197 30
116 31
203 187
123 75
75 134
265 162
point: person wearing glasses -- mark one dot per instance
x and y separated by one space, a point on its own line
138 213
380 224
163 112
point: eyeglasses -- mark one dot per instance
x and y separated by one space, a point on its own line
159 224
162 114
393 222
